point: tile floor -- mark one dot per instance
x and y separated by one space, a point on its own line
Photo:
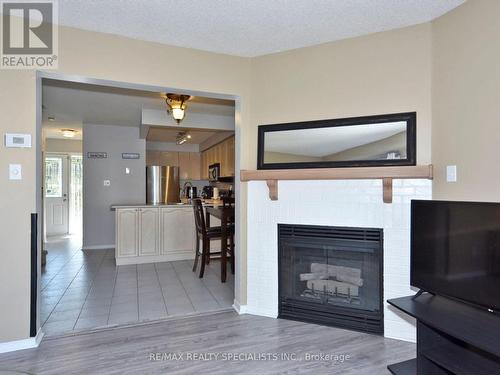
85 289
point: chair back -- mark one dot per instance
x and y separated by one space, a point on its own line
227 201
199 217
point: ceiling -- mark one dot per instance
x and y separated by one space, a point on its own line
321 142
157 134
72 104
248 27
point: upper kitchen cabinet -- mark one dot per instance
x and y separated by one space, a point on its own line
189 165
188 162
222 153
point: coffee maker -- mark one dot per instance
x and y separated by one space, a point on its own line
207 192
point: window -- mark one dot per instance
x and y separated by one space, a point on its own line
53 177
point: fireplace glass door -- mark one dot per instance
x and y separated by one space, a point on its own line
331 275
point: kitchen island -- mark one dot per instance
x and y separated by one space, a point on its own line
149 233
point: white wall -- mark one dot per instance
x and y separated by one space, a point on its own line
98 219
356 203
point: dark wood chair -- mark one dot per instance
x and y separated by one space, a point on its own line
229 202
205 235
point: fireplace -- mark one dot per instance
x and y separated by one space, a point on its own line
332 276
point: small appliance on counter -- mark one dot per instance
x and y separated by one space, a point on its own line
216 193
214 172
162 184
207 192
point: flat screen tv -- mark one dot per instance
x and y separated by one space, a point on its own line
455 250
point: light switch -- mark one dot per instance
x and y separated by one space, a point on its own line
451 173
15 172
107 183
127 170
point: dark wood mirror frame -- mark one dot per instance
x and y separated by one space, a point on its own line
409 117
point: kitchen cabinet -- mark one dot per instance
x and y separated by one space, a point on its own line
189 163
177 231
146 234
148 222
222 153
126 232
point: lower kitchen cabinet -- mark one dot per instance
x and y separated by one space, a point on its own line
126 232
177 232
149 231
154 234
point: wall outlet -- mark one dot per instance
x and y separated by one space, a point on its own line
451 173
107 183
15 172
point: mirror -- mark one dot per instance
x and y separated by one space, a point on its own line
382 140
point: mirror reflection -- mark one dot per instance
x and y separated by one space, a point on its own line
381 141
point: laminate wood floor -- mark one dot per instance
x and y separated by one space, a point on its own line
133 350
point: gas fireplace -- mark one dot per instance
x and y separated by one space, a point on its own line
331 276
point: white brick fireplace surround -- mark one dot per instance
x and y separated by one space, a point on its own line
356 203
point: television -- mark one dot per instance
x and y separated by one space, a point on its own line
455 250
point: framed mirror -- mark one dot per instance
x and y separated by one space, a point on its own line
382 140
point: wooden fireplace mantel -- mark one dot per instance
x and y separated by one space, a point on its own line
386 174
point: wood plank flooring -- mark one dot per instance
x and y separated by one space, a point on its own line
128 350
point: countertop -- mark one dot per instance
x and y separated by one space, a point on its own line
208 203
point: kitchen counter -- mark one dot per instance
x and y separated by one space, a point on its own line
206 202
148 233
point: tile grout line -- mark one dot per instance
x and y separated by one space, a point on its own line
60 269
87 295
62 295
137 282
161 288
185 291
113 294
209 291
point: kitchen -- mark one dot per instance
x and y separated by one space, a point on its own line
134 258
163 229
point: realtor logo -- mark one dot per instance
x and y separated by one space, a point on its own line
29 35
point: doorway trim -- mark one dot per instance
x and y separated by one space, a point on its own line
239 217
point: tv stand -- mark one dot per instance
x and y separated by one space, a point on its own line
418 294
452 338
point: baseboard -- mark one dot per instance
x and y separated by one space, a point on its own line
260 312
172 257
32 342
98 247
240 309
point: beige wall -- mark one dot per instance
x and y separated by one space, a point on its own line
466 101
107 57
376 74
63 145
388 72
368 151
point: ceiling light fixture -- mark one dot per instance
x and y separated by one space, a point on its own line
182 138
176 106
68 133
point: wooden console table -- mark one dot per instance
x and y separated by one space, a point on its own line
452 338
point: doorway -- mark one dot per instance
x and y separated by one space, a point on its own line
63 194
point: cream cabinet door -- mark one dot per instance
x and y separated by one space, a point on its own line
177 230
126 232
148 231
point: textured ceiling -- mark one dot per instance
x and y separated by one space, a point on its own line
248 27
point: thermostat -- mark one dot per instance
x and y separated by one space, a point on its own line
17 140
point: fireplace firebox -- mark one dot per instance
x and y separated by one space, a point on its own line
331 276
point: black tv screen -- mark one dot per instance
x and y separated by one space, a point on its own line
455 250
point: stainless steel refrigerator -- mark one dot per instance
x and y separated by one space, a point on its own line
162 184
